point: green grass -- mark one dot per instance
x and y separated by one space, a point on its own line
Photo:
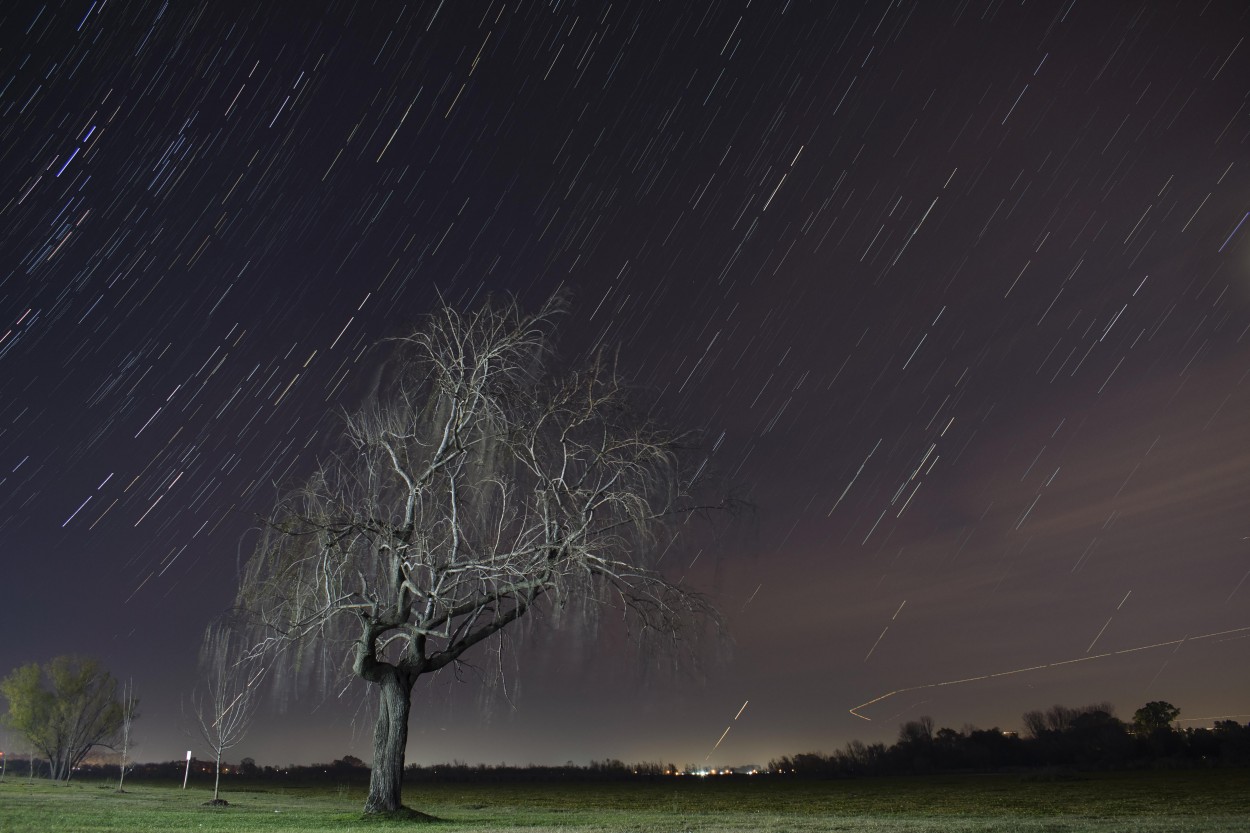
1202 802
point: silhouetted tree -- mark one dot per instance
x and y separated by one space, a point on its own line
1155 716
474 486
915 744
1034 723
859 758
1233 741
986 749
348 763
917 731
1098 738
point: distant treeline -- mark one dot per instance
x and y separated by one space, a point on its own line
350 769
1059 738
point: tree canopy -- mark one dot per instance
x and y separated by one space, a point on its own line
65 709
1155 716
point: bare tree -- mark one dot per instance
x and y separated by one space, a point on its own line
130 706
1059 718
916 731
226 701
476 485
1034 723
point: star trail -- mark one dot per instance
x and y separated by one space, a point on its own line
959 294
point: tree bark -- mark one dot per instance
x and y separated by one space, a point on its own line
59 770
390 738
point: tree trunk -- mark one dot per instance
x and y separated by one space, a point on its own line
217 780
390 737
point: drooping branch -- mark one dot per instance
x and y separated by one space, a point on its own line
477 483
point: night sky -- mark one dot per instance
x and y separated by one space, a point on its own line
959 292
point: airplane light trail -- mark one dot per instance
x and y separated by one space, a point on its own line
727 728
1177 642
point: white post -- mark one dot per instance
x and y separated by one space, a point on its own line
187 774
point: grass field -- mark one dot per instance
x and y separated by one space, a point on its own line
1202 802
